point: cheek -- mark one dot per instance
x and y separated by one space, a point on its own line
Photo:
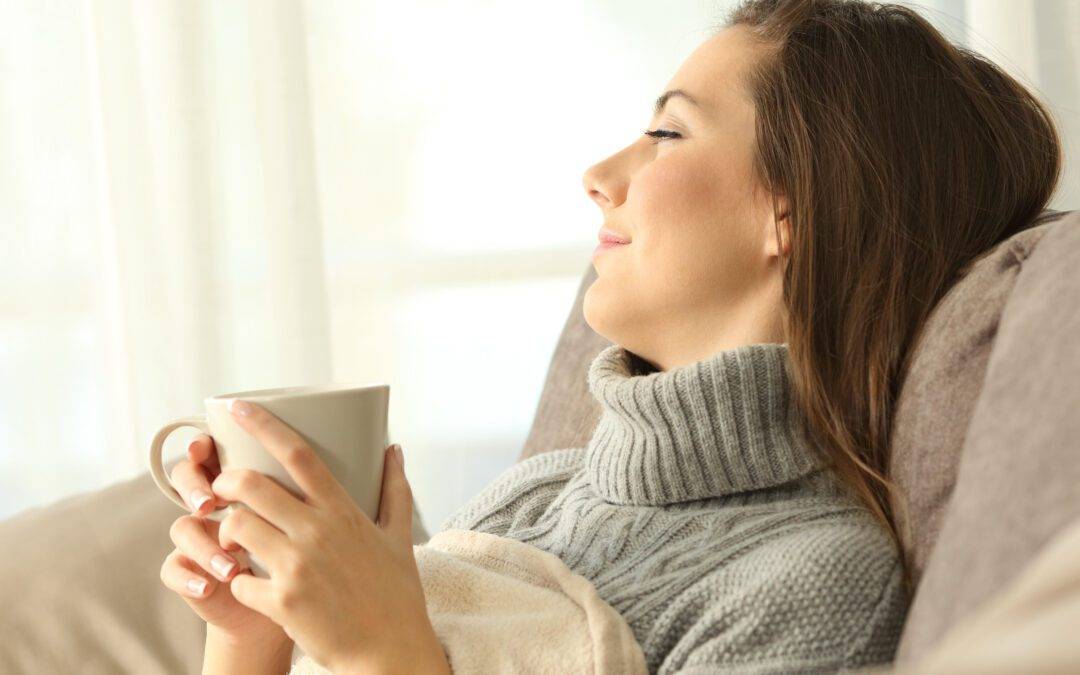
692 229
680 204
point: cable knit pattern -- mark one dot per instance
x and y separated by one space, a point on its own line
700 514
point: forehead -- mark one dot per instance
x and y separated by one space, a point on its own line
713 73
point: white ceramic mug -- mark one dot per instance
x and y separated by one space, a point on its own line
345 424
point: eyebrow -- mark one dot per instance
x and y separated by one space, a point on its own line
662 100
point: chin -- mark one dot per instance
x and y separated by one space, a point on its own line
596 309
588 305
607 316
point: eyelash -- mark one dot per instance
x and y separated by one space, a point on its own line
659 134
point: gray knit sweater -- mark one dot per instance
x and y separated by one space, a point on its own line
699 513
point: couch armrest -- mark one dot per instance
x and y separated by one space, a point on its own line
81 590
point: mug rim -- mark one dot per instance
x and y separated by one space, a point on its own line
329 389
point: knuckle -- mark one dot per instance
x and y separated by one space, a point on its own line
228 524
313 534
299 454
294 566
181 528
168 567
179 473
248 479
230 521
288 597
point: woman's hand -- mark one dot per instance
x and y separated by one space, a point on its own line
189 569
347 590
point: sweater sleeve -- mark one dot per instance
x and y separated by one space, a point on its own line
834 600
521 491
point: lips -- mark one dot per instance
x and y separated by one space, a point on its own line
606 236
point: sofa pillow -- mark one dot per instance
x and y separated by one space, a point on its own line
943 385
81 587
1017 481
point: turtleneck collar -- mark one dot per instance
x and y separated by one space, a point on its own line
719 426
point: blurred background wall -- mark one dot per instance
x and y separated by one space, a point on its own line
205 197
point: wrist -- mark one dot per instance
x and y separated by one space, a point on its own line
434 662
247 654
424 657
248 638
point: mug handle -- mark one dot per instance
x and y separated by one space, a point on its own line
157 469
164 483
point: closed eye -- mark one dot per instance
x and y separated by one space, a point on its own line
659 134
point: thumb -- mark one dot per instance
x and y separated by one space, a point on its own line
395 503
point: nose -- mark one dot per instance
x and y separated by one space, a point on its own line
605 183
593 189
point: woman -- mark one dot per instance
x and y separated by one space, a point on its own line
815 178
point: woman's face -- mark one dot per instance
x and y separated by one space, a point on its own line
701 271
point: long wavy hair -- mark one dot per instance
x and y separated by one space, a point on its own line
903 158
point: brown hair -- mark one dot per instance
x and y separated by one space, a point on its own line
903 158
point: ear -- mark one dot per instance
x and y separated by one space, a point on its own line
777 220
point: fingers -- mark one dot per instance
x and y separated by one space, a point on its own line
246 529
200 449
191 482
288 447
395 504
203 451
196 538
265 496
180 574
190 477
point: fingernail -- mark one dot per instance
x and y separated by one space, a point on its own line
399 454
196 586
222 565
199 497
238 407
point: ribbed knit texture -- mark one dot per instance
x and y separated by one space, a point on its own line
700 514
712 428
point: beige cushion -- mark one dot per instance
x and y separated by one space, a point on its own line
1026 628
81 591
944 383
1018 479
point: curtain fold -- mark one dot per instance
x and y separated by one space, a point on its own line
210 258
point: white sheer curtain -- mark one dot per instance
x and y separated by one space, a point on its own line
199 197
166 223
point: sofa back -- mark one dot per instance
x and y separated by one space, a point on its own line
985 444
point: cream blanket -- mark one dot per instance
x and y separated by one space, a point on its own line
501 606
